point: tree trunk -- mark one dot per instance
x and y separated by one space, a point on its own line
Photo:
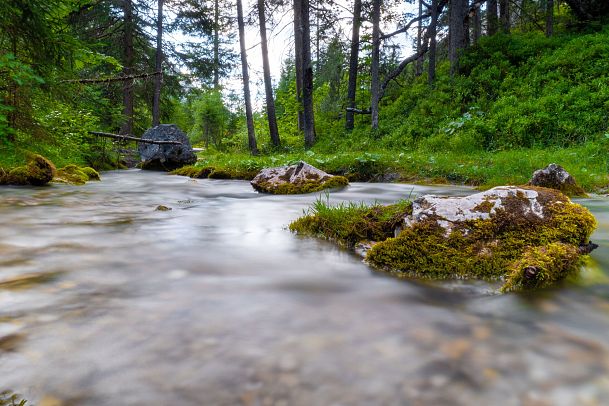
477 29
504 15
376 44
549 17
268 85
456 33
216 44
156 98
298 60
492 21
433 28
307 75
353 64
419 65
251 136
128 58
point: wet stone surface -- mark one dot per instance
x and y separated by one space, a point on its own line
216 303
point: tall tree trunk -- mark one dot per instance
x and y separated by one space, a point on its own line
492 21
158 78
268 85
504 15
457 33
419 65
251 135
376 54
433 28
307 75
298 60
128 58
216 44
353 64
477 21
549 17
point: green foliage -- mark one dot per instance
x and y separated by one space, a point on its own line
210 119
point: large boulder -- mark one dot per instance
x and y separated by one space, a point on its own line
295 179
166 156
527 237
556 177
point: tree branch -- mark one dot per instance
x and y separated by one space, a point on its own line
441 5
113 79
128 138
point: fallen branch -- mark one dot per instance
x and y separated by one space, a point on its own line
113 79
358 111
128 138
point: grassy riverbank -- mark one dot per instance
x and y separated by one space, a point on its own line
588 163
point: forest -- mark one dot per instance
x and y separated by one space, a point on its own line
477 92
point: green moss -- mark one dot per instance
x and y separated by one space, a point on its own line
221 174
541 267
308 186
38 172
490 249
352 223
71 174
91 173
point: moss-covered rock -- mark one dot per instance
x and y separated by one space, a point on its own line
296 179
75 175
38 172
528 237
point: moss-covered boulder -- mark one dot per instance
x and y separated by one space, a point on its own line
38 172
75 175
527 237
296 179
556 177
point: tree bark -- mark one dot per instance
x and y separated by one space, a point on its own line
504 15
433 27
492 21
268 85
128 60
353 65
251 135
307 75
549 18
477 31
419 66
298 60
457 33
376 83
216 44
156 98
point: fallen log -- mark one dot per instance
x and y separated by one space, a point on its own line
128 138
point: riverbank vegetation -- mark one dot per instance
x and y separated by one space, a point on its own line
482 98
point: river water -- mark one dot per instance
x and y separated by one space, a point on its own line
105 301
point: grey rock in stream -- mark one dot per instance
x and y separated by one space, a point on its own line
166 157
556 177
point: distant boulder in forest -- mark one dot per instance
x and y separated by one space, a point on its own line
166 157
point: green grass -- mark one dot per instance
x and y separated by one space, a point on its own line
588 163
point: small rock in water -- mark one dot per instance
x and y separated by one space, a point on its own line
160 207
295 179
556 177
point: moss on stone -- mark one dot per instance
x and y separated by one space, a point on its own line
71 174
38 172
221 174
541 266
308 186
91 173
503 246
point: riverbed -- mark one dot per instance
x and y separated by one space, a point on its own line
106 301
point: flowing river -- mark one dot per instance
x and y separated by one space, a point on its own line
105 301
